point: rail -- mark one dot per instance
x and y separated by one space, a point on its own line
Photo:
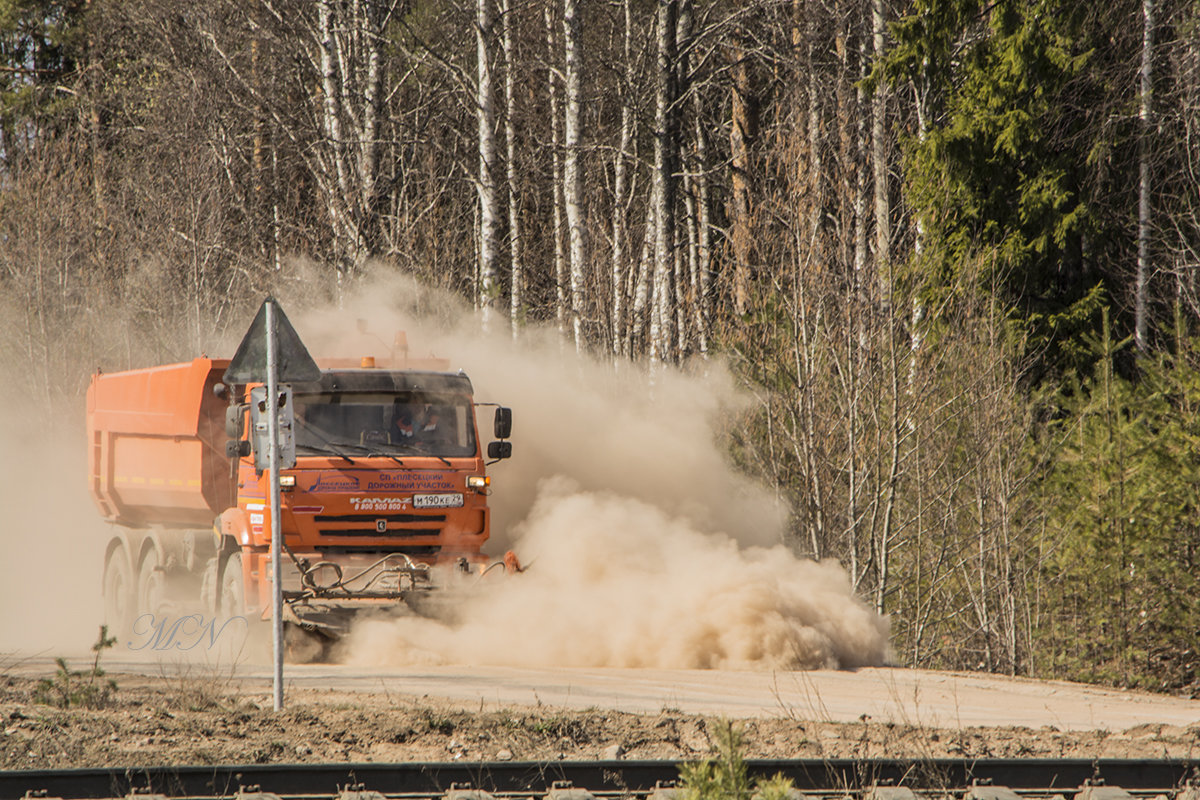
866 779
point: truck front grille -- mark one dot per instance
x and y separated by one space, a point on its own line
397 518
397 526
382 550
404 533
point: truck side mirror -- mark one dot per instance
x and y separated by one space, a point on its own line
235 421
499 450
260 426
503 424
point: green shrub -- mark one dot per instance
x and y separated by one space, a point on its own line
70 688
725 777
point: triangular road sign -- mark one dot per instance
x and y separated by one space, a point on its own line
293 364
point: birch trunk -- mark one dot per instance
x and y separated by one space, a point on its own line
860 184
1143 229
662 313
917 314
857 339
572 184
704 234
332 127
348 43
879 165
619 222
686 270
641 288
516 269
740 133
560 259
489 198
689 315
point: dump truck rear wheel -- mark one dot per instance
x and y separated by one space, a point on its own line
118 594
232 599
151 587
210 595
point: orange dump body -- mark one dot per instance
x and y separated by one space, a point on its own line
157 445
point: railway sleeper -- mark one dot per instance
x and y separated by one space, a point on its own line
358 791
1095 789
881 791
464 791
984 790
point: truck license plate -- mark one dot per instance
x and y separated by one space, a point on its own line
437 500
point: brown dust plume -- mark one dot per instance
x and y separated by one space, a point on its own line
645 547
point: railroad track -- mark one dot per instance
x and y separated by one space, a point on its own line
868 779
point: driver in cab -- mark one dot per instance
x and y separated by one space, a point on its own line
403 424
410 427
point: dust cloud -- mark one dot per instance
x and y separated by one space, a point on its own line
52 538
51 532
645 547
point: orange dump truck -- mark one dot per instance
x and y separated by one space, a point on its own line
388 486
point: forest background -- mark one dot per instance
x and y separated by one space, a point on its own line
949 246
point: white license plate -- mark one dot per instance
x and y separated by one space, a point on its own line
437 500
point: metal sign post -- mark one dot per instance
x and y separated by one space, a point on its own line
271 352
276 537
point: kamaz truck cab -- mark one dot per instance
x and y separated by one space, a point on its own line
388 491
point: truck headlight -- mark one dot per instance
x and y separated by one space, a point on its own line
287 482
478 481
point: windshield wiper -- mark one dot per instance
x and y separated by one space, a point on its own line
419 449
326 451
373 453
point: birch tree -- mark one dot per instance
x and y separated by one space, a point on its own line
619 268
572 178
556 184
350 42
662 311
516 266
880 164
1143 225
741 131
489 195
342 56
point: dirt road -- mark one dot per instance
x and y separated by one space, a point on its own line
885 695
168 712
897 696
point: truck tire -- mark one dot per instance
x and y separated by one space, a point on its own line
118 594
152 587
232 598
210 594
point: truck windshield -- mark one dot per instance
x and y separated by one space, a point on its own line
388 424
